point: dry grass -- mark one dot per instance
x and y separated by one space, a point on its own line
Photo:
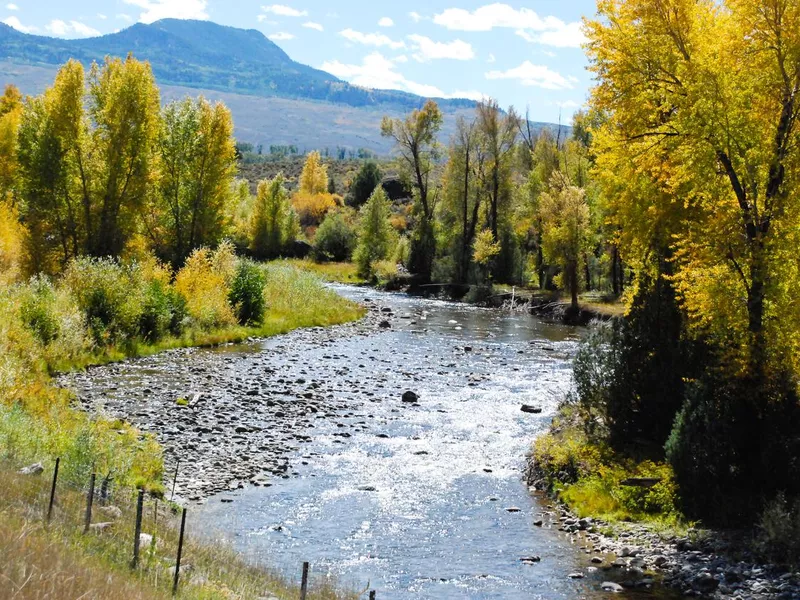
39 562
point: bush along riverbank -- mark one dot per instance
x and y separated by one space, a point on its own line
652 473
103 310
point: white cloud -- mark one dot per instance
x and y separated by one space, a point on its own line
527 24
533 75
61 28
371 39
125 17
415 16
377 71
153 10
569 36
15 23
427 49
400 59
284 11
490 16
281 36
312 25
491 59
385 22
12 6
569 104
468 94
101 16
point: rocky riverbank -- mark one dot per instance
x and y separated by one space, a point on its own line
704 563
224 431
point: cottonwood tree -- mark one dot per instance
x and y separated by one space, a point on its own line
720 146
462 196
194 190
565 220
86 157
274 223
415 141
374 233
312 200
498 132
10 116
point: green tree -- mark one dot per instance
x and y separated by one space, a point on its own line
462 195
565 216
194 191
273 222
335 239
374 233
86 155
369 177
717 143
415 141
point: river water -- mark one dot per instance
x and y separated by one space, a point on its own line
327 465
415 499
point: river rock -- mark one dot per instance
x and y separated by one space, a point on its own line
534 410
384 325
34 469
529 560
705 583
110 512
610 586
410 397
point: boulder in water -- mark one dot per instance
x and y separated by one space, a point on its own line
410 397
534 410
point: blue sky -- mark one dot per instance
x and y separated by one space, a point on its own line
521 54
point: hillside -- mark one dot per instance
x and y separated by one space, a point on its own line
274 100
201 54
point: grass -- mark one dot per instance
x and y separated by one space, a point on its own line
330 271
587 476
38 422
60 561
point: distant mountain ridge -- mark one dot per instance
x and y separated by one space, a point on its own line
205 55
273 99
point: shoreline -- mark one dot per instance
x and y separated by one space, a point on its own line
706 563
219 445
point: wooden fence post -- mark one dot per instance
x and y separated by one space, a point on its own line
180 552
137 529
53 490
89 501
304 582
175 480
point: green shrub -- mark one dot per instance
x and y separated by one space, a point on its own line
375 234
367 179
630 375
247 293
735 444
335 239
163 312
37 309
778 537
109 295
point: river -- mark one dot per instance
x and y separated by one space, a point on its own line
421 500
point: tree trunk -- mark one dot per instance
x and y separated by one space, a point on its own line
572 278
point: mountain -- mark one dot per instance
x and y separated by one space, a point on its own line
274 100
202 54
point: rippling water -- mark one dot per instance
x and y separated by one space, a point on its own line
414 499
